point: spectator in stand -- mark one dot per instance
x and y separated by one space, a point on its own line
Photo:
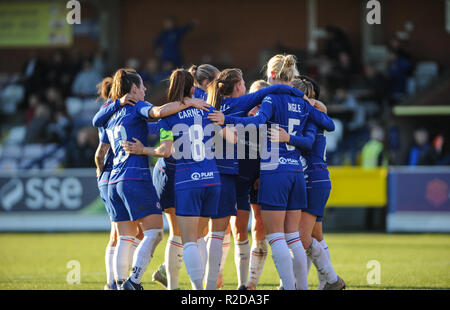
58 129
38 118
398 47
342 71
74 63
55 69
439 146
336 42
150 71
398 70
168 43
47 118
34 101
372 154
422 152
86 80
355 131
133 63
346 99
166 70
375 84
80 153
99 62
31 75
54 98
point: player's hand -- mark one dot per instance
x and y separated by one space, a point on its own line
133 147
128 99
217 117
278 134
310 101
197 103
320 106
98 172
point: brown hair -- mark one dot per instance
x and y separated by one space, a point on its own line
181 83
223 85
203 72
283 66
122 82
104 88
305 86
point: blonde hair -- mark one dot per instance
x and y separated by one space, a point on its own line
257 85
283 66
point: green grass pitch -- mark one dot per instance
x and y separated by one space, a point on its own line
407 261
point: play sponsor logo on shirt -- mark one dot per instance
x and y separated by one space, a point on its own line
288 161
202 175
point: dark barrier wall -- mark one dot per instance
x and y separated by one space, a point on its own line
419 199
415 190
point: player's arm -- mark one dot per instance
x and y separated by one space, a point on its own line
108 109
186 28
304 142
99 157
320 118
263 115
249 101
175 107
164 149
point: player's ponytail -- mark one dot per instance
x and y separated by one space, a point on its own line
104 88
315 85
181 84
123 81
283 67
205 72
305 86
222 86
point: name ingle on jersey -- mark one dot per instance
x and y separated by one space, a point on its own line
289 113
294 107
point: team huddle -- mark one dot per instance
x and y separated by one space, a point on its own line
223 152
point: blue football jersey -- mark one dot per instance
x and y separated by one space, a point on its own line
105 112
313 146
200 93
127 123
240 106
195 164
290 113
